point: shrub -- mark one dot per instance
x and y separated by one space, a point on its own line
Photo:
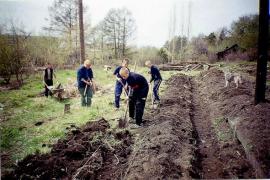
238 56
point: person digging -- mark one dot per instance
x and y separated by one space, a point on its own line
120 83
85 83
156 77
137 95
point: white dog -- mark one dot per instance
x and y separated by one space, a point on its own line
229 77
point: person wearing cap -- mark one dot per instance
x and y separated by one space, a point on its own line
156 77
120 82
48 78
84 79
138 90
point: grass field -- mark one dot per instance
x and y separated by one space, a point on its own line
23 108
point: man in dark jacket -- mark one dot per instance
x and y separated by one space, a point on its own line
120 82
48 78
137 94
84 79
156 77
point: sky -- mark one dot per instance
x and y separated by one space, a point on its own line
154 18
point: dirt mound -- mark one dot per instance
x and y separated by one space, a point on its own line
165 147
189 136
179 140
231 107
91 152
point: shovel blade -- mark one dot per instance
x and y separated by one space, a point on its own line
122 123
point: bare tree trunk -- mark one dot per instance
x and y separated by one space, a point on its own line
182 33
70 31
189 19
94 46
102 46
173 29
118 40
81 31
262 52
76 34
124 38
70 41
115 45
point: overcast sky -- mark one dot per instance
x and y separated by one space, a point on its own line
153 17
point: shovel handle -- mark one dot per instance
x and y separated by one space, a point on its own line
84 93
151 94
126 93
125 117
45 84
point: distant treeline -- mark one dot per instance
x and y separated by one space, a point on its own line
243 33
110 41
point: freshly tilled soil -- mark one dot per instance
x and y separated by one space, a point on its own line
189 136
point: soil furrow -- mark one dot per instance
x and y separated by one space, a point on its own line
219 154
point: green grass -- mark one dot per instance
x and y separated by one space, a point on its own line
22 109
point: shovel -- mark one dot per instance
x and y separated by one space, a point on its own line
84 93
151 97
85 89
49 87
126 93
123 123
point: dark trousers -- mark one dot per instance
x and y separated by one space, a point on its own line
86 98
156 89
137 104
47 91
117 94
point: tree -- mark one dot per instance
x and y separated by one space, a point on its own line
244 32
178 43
164 54
42 49
199 45
63 18
262 52
81 31
118 27
223 34
5 60
13 53
211 39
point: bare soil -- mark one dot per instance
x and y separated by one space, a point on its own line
180 142
91 152
235 108
220 155
165 148
201 130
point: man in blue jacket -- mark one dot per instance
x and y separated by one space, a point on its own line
137 94
84 79
156 77
120 82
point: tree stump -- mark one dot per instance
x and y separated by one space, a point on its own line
67 108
